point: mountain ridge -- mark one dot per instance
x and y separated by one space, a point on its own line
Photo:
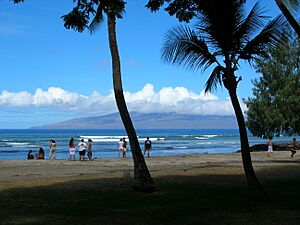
147 121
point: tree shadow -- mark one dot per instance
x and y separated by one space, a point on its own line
200 199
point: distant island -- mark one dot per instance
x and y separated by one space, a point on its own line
147 121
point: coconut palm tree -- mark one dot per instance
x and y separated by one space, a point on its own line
284 6
223 36
78 19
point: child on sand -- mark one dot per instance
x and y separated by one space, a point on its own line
72 149
270 148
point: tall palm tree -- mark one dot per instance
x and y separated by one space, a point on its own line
223 36
284 6
78 19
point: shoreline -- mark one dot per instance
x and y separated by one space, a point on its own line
28 173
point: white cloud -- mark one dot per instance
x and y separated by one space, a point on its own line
168 99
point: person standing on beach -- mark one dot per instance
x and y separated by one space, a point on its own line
294 147
72 149
147 146
52 149
82 148
89 149
270 147
124 150
120 147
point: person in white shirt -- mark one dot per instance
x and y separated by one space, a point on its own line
120 147
270 147
82 149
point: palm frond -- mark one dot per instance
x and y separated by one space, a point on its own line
269 37
181 46
110 7
249 26
18 1
97 20
114 7
292 4
218 20
77 19
214 79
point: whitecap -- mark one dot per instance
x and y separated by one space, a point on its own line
101 137
210 135
202 138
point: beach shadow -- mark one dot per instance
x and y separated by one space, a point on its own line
282 161
200 199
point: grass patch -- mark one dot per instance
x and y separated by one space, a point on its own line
182 200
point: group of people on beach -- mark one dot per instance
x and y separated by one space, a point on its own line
85 147
122 147
39 155
294 146
82 149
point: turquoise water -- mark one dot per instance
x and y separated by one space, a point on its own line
14 144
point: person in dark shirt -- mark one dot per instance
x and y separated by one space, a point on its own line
124 147
30 155
294 147
147 146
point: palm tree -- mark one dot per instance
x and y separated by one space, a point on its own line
223 36
78 19
284 6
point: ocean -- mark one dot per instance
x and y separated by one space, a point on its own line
15 144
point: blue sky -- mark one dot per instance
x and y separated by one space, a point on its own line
51 74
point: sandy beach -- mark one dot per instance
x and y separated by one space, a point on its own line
191 189
27 173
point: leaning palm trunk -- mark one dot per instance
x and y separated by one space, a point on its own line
256 191
288 16
142 177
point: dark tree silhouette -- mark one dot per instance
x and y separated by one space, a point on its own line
17 1
79 19
294 4
223 36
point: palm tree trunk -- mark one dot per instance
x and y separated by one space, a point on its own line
256 190
288 16
142 177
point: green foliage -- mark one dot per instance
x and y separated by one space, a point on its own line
184 10
274 108
89 13
223 33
